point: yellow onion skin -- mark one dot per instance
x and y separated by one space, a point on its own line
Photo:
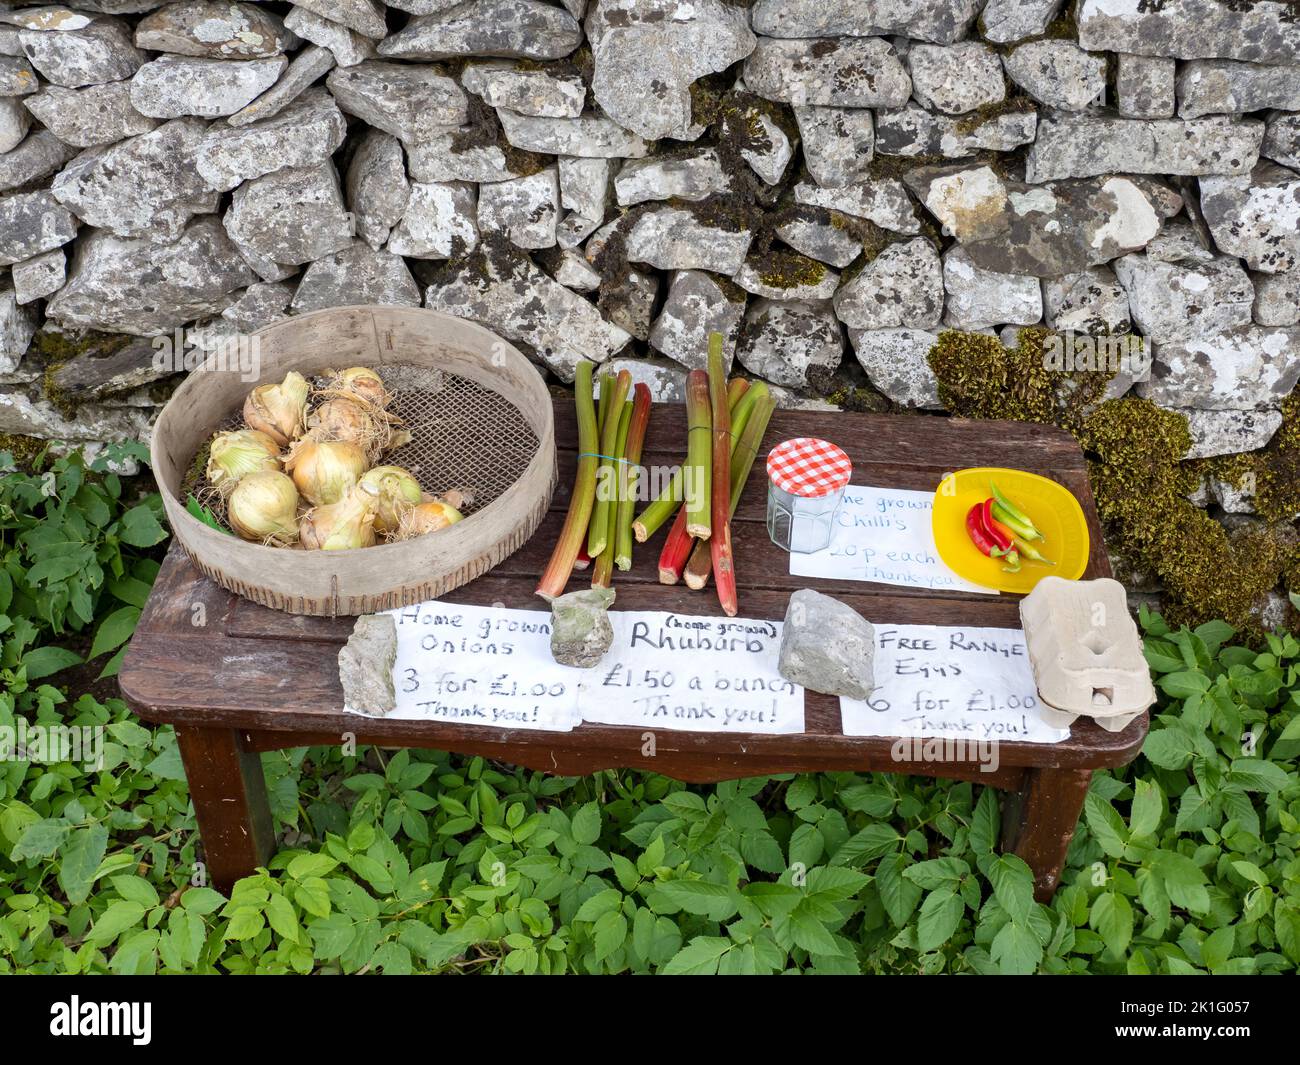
324 471
279 411
364 383
428 517
341 526
264 506
397 489
344 420
234 455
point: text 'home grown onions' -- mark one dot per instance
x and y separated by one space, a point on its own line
397 491
234 455
279 411
341 526
264 508
325 470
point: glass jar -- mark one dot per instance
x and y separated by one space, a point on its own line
806 481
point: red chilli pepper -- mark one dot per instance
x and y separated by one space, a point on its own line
997 532
979 533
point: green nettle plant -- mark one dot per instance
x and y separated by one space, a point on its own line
1185 861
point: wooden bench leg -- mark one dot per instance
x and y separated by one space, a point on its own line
1039 822
230 802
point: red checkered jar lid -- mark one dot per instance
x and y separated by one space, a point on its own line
808 467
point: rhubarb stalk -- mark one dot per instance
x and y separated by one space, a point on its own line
598 531
697 472
557 571
630 471
747 447
602 572
720 504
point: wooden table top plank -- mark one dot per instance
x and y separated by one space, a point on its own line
204 656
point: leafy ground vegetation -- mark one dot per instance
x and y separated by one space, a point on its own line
1185 861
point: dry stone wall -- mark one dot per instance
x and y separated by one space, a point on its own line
830 183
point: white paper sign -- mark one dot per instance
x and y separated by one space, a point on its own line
492 666
883 535
973 684
698 674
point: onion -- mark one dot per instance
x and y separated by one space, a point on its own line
264 508
352 422
280 410
234 455
426 518
397 490
363 383
325 470
341 526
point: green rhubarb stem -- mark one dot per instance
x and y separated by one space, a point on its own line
697 470
603 574
606 476
557 571
632 470
720 506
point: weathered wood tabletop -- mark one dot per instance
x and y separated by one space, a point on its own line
237 678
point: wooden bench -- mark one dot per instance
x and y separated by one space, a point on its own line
236 679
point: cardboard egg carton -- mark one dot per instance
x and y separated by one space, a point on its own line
1085 653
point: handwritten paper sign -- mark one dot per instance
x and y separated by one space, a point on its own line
698 674
958 683
883 535
492 666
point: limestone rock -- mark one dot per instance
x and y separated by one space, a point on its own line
307 67
698 303
15 121
1091 302
291 216
590 137
1240 369
580 628
16 75
465 154
766 147
574 229
786 341
366 665
85 118
17 327
306 133
134 285
1277 298
38 156
173 86
504 291
912 130
144 186
648 52
1003 21
1057 73
440 221
408 101
365 17
584 185
978 299
213 30
356 274
827 646
572 270
1228 432
32 223
376 186
883 201
902 286
540 93
524 29
838 143
784 275
1266 32
1144 86
956 78
898 364
665 379
1225 86
524 210
834 71
969 202
263 303
1171 301
22 415
827 236
96 53
346 46
939 21
628 301
108 369
1256 217
40 276
1282 139
674 238
694 174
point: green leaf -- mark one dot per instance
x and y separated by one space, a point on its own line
1013 885
599 904
41 839
79 860
1145 813
698 958
714 901
586 824
898 894
941 913
1016 950
139 528
1106 825
46 661
609 934
937 872
114 921
114 630
1181 685
1169 748
1112 919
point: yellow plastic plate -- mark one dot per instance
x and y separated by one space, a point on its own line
1052 507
